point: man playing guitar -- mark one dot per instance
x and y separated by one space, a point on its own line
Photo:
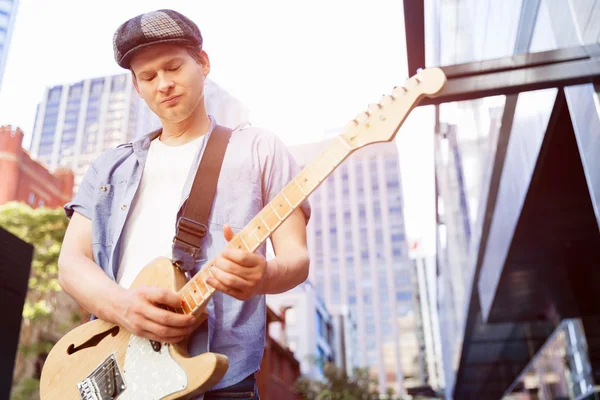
125 212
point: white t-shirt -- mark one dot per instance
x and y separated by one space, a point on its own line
150 227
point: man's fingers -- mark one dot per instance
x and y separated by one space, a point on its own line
224 264
165 332
163 296
228 232
168 318
225 289
241 257
151 336
230 280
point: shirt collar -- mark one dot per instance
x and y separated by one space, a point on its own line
142 144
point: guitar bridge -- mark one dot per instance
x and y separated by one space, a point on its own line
104 383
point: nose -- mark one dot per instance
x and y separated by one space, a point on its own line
165 83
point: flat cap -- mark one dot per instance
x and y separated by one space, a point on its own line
161 26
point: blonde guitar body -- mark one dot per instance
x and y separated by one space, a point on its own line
100 360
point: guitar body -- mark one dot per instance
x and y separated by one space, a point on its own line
100 360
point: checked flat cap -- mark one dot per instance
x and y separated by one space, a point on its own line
161 26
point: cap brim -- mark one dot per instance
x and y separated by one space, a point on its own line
125 61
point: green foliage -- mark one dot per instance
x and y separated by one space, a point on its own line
27 389
44 228
337 385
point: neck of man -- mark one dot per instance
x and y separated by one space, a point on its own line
182 132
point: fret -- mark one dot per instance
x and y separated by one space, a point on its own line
197 289
323 165
189 295
251 241
316 178
274 208
204 274
270 218
186 308
281 206
245 245
258 228
293 195
266 227
235 243
345 143
305 182
336 152
300 187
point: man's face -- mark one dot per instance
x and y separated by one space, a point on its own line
170 80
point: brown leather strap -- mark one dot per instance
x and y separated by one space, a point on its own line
193 224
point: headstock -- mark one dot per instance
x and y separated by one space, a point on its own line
381 121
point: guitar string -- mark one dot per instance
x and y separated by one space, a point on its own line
295 186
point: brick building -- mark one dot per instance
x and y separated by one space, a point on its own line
23 179
279 370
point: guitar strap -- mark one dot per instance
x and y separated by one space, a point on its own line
192 226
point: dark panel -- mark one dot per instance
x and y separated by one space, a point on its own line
516 81
551 267
414 25
15 264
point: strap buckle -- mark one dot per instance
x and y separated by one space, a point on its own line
190 227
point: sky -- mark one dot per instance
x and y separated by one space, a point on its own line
302 68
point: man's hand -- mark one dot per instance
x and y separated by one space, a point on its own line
138 311
238 273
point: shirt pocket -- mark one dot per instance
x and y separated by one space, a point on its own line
238 198
108 211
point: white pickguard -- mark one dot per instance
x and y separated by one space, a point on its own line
149 374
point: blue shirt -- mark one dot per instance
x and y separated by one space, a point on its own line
256 167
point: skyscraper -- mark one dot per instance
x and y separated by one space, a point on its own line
76 122
8 14
359 257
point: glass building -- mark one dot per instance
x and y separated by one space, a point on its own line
359 258
8 14
517 194
76 122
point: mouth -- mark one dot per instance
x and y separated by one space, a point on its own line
171 100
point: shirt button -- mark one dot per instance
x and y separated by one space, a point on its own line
103 188
123 207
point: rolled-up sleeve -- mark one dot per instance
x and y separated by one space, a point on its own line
83 200
279 168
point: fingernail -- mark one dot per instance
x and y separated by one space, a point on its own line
182 303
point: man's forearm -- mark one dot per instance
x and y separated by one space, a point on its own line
286 271
92 289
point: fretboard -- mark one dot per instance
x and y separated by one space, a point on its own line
196 293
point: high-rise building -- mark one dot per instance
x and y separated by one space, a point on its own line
76 122
345 338
8 15
359 257
308 330
428 329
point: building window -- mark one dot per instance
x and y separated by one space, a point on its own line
31 199
41 203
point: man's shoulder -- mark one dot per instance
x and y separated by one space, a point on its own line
113 155
255 136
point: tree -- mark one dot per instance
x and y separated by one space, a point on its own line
44 228
48 313
337 385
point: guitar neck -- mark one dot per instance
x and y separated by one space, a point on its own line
196 293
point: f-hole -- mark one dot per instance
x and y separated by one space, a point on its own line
93 341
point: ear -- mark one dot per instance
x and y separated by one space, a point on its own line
205 63
135 85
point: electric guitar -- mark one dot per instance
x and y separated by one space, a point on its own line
102 361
